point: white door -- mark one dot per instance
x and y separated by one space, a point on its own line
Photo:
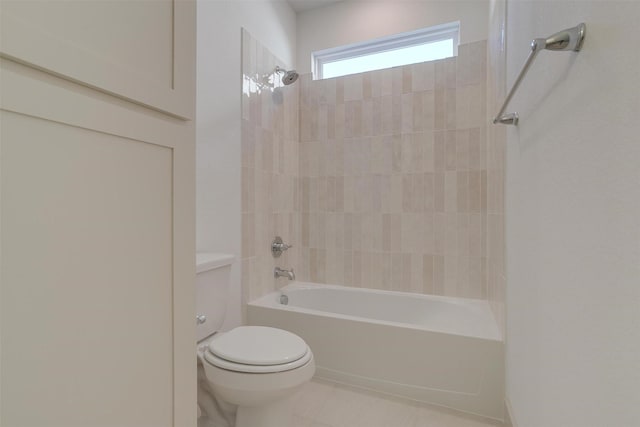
97 323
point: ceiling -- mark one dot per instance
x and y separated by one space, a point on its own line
302 5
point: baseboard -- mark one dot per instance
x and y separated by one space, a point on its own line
454 401
509 420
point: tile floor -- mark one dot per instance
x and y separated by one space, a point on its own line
323 404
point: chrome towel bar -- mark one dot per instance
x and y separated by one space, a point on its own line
570 39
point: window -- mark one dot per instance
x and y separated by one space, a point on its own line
427 44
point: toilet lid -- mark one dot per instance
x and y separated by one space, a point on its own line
258 345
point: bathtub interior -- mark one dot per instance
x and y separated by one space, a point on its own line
460 316
436 359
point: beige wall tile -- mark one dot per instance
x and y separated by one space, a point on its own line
396 114
451 109
450 191
387 114
339 91
450 151
438 275
270 158
396 193
386 232
396 232
406 113
462 150
450 275
427 274
386 82
426 140
348 231
476 243
439 192
348 268
462 278
407 77
407 272
376 83
357 269
353 119
417 273
397 81
462 191
470 106
463 234
429 234
397 272
367 86
475 191
428 193
439 151
394 178
428 110
352 87
422 76
376 116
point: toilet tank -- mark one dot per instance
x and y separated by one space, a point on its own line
213 271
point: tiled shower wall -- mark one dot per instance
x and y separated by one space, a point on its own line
393 177
398 187
269 169
496 163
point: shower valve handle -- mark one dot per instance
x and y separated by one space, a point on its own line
278 246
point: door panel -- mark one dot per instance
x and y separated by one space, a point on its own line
87 251
132 49
97 201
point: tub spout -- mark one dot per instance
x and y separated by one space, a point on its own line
278 272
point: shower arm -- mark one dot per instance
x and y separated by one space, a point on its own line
567 40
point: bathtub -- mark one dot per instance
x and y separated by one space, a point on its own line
432 349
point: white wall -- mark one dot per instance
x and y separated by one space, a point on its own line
354 21
218 117
573 219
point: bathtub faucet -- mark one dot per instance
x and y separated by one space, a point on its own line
278 272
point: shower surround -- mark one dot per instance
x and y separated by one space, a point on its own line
393 177
496 163
381 180
269 169
378 179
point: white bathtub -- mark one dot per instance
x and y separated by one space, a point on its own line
440 350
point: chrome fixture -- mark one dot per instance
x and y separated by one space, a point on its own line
570 39
288 77
289 274
284 300
201 319
278 246
268 81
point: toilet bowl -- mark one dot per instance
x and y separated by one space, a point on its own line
259 369
256 368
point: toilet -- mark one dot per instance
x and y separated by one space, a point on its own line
258 369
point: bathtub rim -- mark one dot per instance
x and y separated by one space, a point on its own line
270 300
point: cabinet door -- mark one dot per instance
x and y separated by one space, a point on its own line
97 182
142 51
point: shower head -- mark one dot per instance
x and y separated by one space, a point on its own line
288 77
569 39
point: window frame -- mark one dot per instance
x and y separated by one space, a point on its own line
427 35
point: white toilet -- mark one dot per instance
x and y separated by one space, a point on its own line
254 367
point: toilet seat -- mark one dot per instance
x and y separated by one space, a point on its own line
255 369
257 349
